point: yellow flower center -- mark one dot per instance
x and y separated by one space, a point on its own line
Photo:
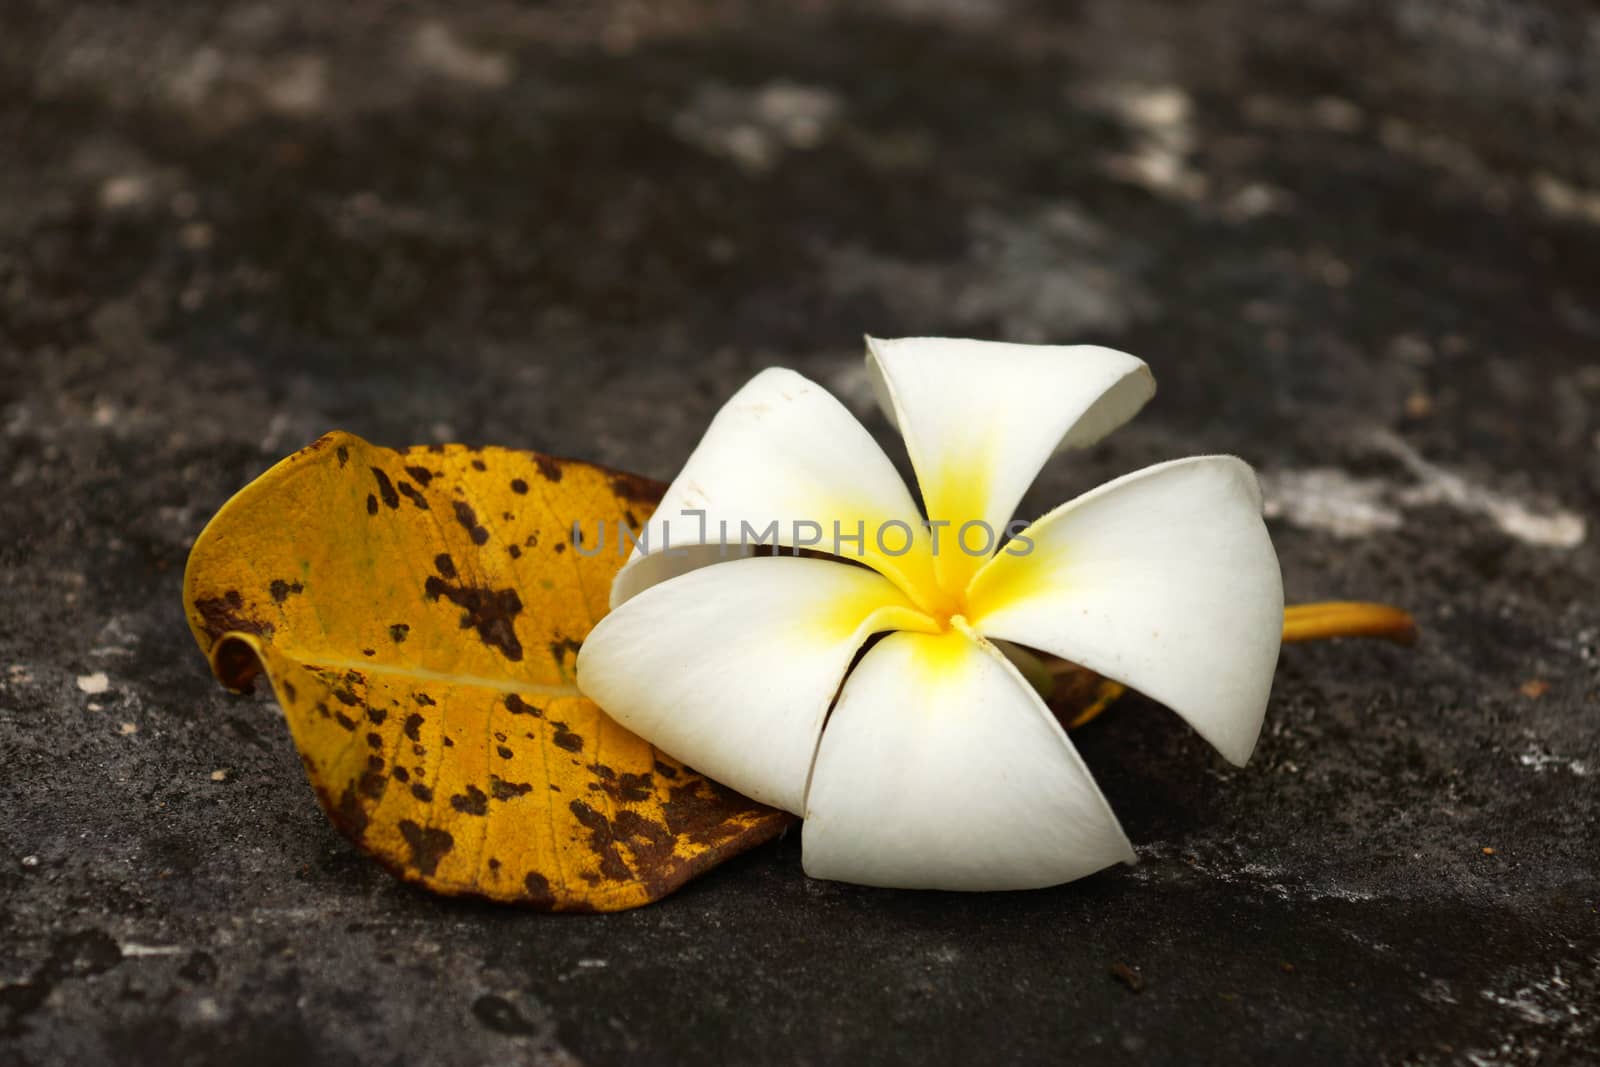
945 607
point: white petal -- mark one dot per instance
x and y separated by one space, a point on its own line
941 769
783 451
731 668
1164 580
981 417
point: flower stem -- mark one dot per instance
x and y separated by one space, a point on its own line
1341 618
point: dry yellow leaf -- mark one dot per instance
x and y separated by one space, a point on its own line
418 614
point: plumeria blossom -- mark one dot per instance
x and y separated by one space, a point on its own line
930 762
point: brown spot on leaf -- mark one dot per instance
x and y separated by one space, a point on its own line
410 492
344 455
422 475
566 739
282 590
633 788
469 519
428 846
377 715
501 789
538 887
374 740
649 842
398 632
402 774
444 565
629 788
413 725
633 487
517 706
386 488
225 613
602 842
372 504
548 466
563 647
701 813
424 700
347 698
479 465
422 793
519 486
344 720
349 815
490 611
505 753
516 551
473 802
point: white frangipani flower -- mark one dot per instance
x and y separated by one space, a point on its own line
939 766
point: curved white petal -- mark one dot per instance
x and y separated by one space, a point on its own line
981 417
783 451
1164 580
731 668
940 768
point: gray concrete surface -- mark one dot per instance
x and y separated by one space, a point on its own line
1358 243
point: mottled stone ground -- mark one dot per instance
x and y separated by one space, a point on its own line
1359 246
